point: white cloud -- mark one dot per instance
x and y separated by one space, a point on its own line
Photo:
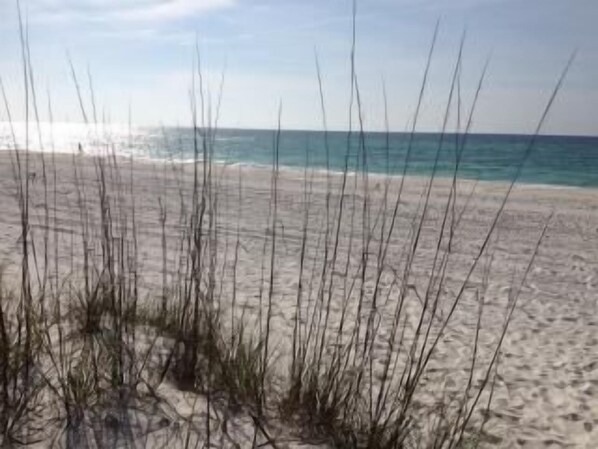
121 10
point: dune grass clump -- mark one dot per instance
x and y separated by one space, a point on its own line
94 345
20 377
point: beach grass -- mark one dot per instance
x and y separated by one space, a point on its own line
89 355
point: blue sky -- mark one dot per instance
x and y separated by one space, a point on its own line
140 52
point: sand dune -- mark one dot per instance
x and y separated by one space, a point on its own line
546 393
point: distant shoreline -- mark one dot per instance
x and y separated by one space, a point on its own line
296 171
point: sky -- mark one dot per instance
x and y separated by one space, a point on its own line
140 55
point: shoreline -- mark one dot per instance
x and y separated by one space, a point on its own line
320 171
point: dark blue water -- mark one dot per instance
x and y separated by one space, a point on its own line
555 160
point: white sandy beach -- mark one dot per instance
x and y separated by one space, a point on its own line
546 393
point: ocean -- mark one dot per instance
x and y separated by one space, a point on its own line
553 160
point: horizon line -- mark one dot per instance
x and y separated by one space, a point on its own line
299 129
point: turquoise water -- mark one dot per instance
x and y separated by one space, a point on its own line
553 160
